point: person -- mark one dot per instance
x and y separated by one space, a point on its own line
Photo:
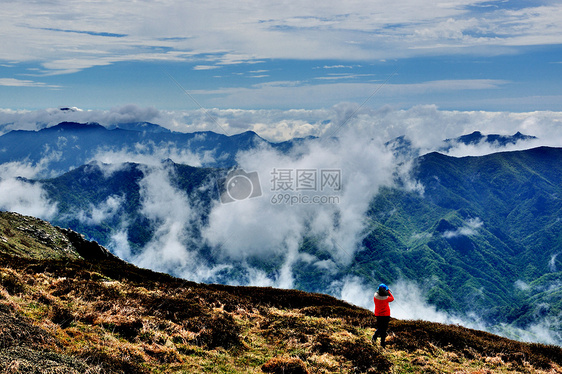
382 298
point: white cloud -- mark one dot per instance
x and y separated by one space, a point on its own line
521 285
171 214
426 126
96 214
17 195
70 35
338 67
271 226
552 263
205 67
469 228
12 82
281 94
150 154
339 76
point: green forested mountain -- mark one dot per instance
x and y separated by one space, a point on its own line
91 186
481 235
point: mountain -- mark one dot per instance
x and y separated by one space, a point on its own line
404 149
477 137
69 145
140 126
481 238
485 234
93 185
63 312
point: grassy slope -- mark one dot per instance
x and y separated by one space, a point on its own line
62 314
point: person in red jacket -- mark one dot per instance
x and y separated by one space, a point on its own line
382 298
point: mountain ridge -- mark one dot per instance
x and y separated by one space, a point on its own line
68 145
481 223
403 148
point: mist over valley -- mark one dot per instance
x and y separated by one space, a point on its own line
469 240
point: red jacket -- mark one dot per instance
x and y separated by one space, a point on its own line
381 304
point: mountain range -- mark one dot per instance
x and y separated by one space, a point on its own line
69 144
481 235
404 148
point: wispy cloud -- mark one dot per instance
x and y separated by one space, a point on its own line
338 76
299 94
206 67
93 33
13 82
338 66
233 33
469 228
425 125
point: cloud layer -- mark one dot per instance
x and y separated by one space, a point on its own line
239 233
71 35
425 126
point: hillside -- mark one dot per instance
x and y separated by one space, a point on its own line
482 238
67 306
483 227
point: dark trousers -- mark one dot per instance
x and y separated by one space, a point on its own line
382 327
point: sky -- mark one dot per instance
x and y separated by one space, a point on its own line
184 55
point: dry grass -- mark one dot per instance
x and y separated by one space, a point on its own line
120 325
74 316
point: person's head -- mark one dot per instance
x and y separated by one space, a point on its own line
383 289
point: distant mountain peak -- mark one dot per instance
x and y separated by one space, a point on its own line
140 126
477 137
247 135
75 126
402 146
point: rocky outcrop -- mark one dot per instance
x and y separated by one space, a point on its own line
89 250
32 237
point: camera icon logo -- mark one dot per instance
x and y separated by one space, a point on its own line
239 185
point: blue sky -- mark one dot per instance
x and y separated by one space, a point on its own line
457 54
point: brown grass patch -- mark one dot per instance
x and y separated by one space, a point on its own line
285 365
472 344
362 354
